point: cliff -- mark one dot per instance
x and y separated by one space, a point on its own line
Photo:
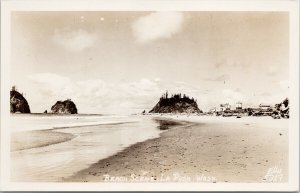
18 104
176 104
64 107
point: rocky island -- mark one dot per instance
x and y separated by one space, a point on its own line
18 104
64 107
177 103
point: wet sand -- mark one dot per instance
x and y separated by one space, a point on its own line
40 138
50 155
199 151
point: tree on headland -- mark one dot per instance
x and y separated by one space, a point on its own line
18 104
176 104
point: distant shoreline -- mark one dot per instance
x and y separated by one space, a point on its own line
60 114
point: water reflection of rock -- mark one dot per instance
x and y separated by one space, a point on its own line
166 124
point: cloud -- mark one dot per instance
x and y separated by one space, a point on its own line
98 96
157 79
74 40
52 84
95 96
157 25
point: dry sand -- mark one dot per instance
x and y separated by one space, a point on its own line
215 151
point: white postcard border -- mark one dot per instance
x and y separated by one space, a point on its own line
156 5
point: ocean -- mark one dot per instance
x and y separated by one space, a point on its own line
96 137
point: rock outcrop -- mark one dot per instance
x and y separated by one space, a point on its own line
18 104
281 110
176 104
64 107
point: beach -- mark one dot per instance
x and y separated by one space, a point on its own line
150 148
209 149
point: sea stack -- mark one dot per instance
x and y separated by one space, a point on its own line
18 104
176 104
64 107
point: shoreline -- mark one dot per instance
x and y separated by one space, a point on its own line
174 124
258 120
25 140
208 152
26 122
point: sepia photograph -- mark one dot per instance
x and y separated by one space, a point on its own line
125 97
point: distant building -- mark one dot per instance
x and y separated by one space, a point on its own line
238 105
225 107
213 110
264 106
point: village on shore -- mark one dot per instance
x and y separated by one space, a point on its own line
175 104
179 103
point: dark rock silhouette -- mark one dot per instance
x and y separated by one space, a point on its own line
64 107
176 104
281 110
18 104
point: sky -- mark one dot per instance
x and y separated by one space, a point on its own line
122 62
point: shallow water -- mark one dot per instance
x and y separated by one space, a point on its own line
92 143
29 122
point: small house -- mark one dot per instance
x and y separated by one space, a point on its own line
264 106
238 105
225 106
